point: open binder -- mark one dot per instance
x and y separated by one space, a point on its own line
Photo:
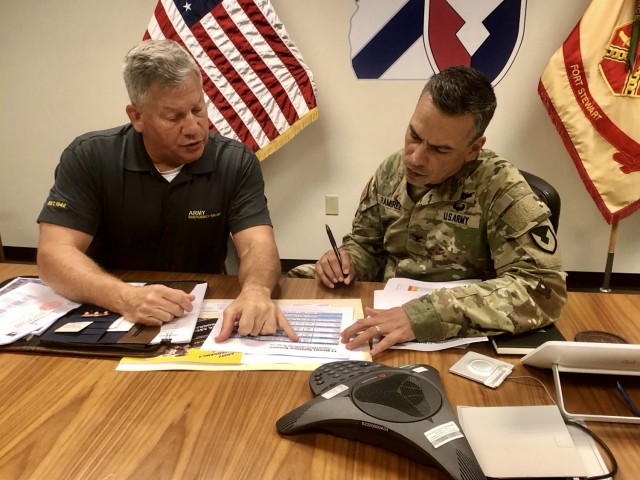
96 339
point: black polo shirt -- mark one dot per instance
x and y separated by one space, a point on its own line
107 186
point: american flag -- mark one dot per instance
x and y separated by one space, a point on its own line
260 91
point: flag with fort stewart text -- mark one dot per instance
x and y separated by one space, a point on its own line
591 90
258 87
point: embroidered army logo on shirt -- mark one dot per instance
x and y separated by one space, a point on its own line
201 214
460 219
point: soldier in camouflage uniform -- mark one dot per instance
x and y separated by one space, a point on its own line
443 209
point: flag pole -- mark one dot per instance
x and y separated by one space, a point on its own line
612 250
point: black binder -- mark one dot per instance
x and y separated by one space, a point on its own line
95 340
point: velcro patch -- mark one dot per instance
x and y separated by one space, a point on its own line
524 214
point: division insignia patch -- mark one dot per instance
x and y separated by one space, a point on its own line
614 67
363 195
544 238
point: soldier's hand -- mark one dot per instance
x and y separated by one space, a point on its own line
329 271
389 326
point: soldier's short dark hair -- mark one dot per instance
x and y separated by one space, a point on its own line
460 89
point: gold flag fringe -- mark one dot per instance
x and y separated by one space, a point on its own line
292 131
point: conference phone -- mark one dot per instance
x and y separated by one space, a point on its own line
401 409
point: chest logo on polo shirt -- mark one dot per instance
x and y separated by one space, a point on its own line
390 202
460 219
201 214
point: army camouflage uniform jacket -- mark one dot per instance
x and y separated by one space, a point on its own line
482 223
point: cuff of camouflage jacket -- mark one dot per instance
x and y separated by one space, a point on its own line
425 321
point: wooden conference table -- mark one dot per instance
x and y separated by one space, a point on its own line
78 418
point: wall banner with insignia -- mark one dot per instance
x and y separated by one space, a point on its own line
412 39
591 90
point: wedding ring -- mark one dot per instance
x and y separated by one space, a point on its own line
378 330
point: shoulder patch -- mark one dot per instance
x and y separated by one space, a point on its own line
363 195
544 238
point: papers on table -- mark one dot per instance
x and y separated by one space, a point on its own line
318 322
399 291
398 284
29 307
181 329
318 327
319 331
510 442
181 359
187 356
435 346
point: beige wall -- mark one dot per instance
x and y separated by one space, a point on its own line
61 77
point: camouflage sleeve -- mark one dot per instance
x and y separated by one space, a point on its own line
528 291
365 243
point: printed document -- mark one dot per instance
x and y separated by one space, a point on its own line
311 355
398 284
399 291
179 330
318 327
29 307
216 360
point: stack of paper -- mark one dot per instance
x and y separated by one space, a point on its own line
528 442
399 291
317 322
29 307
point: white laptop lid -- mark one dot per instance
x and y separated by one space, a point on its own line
587 357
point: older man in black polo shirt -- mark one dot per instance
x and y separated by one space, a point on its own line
160 193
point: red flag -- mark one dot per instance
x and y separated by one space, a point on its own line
591 90
260 90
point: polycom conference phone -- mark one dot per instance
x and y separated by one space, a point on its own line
402 409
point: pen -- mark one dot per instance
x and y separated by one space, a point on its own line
334 246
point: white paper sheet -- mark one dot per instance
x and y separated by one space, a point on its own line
181 329
318 327
398 284
399 291
29 307
521 442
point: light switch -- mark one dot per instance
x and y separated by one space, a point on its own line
331 204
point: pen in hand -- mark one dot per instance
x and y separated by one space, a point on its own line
334 246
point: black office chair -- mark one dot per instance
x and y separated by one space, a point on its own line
545 192
2 259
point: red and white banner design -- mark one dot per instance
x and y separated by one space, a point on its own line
260 91
593 97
